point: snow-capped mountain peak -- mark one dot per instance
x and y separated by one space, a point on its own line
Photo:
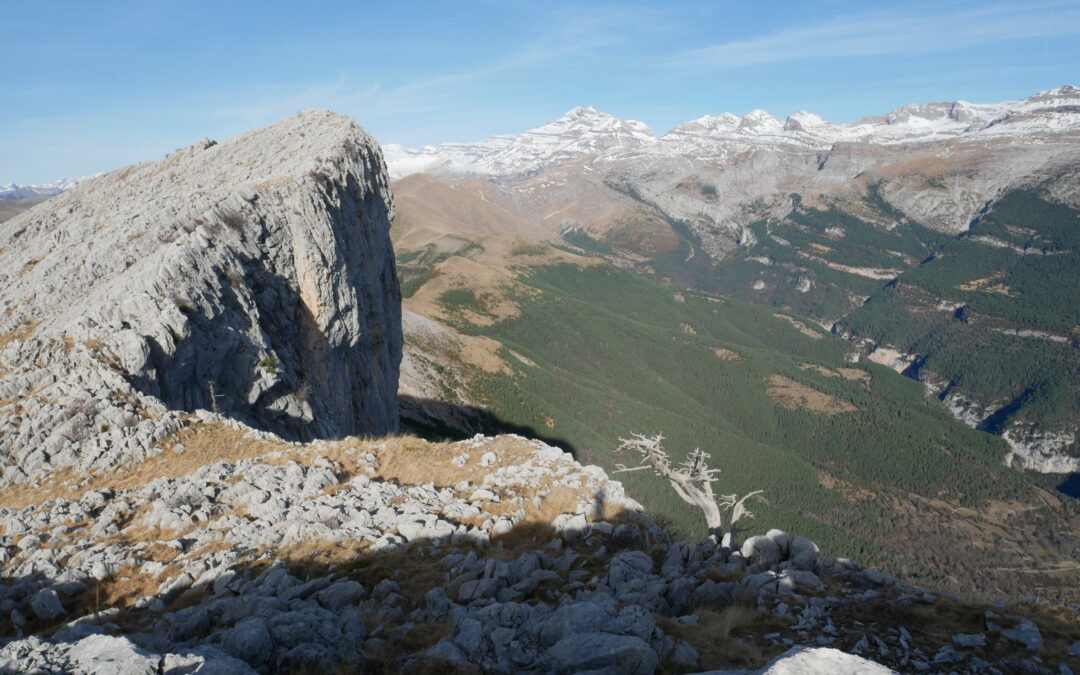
578 133
16 191
586 131
760 121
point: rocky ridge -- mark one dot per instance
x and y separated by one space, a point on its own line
511 558
254 277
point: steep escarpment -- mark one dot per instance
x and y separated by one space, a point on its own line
254 277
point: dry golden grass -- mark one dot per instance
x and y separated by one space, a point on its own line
854 374
203 445
160 552
416 571
22 332
317 555
980 284
788 393
28 266
800 326
557 502
213 547
124 588
850 493
730 637
846 373
411 461
820 370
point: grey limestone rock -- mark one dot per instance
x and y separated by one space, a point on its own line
249 640
762 549
595 651
46 604
107 655
253 276
1024 632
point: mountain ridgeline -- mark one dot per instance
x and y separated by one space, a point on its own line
253 278
761 289
939 239
199 394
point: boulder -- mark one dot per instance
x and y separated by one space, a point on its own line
802 553
597 651
46 604
570 619
249 640
108 655
970 639
763 550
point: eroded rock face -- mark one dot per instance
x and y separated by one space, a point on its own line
254 277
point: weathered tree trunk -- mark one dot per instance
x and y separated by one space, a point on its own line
692 481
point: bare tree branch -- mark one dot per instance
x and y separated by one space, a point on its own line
692 481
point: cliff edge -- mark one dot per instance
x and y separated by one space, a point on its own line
253 277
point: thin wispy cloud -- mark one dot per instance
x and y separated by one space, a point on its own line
893 32
434 72
561 35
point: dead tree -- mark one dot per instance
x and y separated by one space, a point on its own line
214 396
693 482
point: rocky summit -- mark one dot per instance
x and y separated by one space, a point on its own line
198 398
253 277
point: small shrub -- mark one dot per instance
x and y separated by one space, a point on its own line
83 406
529 249
270 365
234 219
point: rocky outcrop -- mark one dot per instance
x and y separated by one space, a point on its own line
254 277
495 555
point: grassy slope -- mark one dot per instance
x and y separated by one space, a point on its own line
613 356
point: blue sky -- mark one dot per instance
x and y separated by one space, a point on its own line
91 86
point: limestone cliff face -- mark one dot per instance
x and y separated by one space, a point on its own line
254 277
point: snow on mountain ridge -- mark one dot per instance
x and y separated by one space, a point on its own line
16 191
582 132
578 133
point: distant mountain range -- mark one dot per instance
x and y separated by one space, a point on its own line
16 191
587 131
939 239
867 320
